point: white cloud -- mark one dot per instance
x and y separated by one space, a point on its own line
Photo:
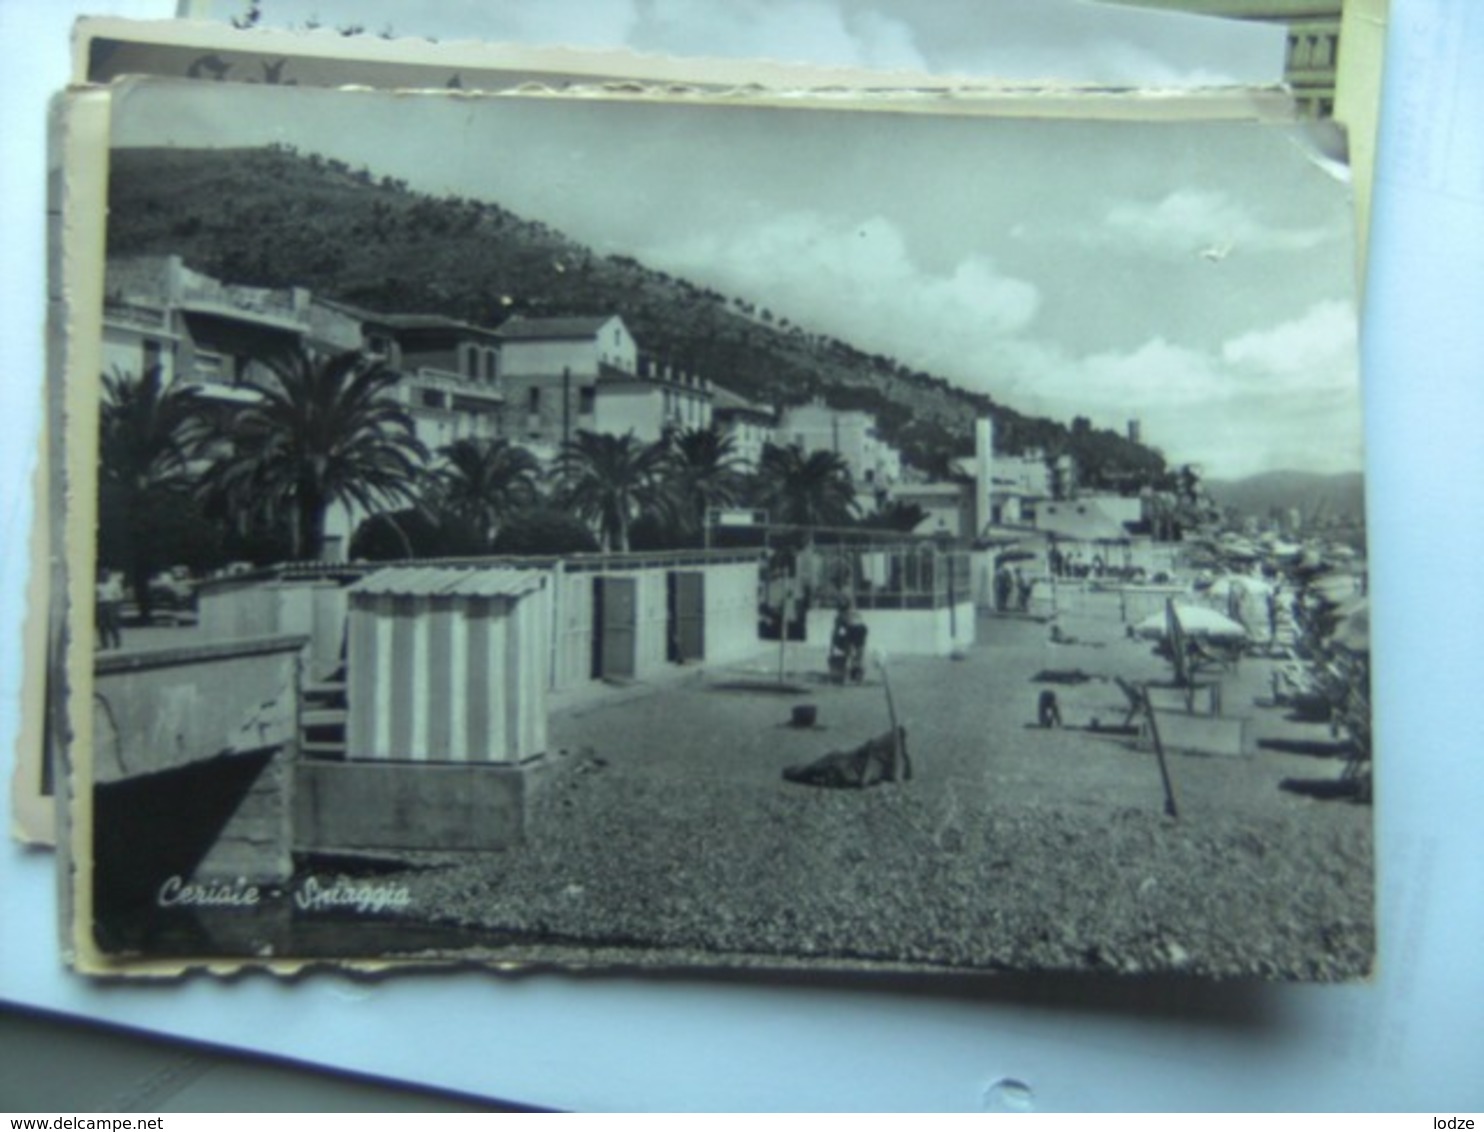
1283 396
1025 39
1107 62
1279 396
1318 348
886 42
1191 221
816 31
858 281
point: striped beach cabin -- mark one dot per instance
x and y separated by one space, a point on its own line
448 665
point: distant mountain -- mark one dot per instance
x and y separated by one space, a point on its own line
1329 497
273 217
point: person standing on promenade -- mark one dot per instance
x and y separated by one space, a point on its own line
108 595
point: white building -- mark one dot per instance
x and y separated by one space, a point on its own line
750 426
206 333
849 433
213 336
560 376
947 508
448 368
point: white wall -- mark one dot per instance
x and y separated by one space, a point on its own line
612 344
547 358
123 349
619 409
730 607
731 612
904 632
231 610
749 437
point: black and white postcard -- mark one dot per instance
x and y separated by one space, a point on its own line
106 48
636 529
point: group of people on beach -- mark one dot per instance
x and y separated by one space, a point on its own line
1070 564
1012 590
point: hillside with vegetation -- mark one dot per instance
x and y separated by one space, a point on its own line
1319 499
274 217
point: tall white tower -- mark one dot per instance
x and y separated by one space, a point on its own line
983 472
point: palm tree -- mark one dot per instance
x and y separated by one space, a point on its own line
705 472
481 483
611 480
148 432
325 430
805 490
897 515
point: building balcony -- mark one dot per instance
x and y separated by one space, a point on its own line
233 300
137 317
436 375
448 384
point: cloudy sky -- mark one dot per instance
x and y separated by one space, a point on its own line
1196 277
1023 39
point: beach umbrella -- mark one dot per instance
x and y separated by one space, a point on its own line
1336 587
1239 583
1196 621
1353 630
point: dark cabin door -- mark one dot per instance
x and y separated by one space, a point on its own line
615 622
687 616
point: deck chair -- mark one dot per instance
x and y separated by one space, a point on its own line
1135 700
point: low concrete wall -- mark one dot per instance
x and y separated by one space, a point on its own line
156 709
904 632
370 806
218 820
731 612
313 607
192 749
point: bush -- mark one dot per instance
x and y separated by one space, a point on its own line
545 531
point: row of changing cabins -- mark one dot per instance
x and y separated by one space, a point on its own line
459 661
427 687
424 689
419 712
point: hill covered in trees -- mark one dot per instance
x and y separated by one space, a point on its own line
274 217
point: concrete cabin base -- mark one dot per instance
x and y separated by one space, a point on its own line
365 806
